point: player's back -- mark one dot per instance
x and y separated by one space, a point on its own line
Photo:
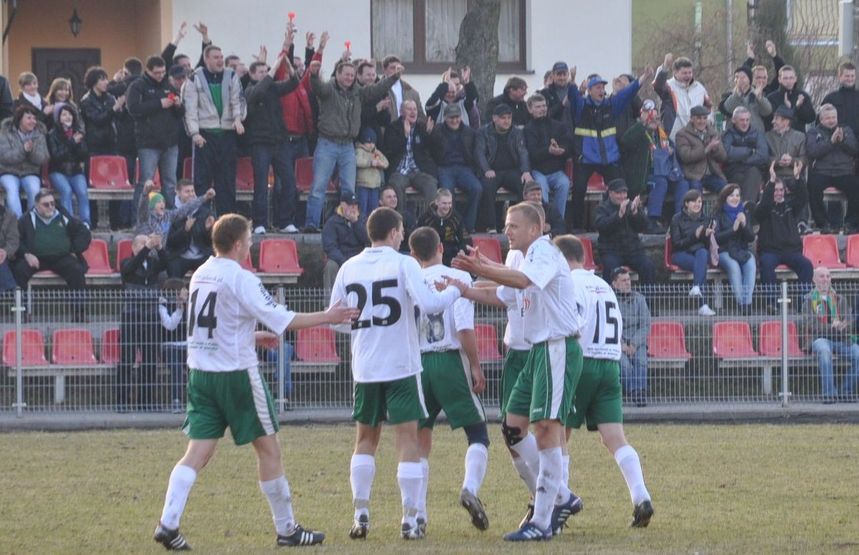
437 331
603 325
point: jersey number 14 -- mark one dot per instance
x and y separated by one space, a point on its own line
206 317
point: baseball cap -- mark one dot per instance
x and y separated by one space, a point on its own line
348 197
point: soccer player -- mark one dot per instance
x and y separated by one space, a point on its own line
451 377
386 286
598 400
543 393
224 385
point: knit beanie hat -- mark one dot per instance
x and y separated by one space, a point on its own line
155 198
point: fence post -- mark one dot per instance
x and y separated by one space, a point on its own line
784 301
281 353
18 309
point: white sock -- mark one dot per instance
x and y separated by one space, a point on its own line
280 501
547 486
361 474
422 496
528 463
630 467
476 459
410 476
181 480
564 489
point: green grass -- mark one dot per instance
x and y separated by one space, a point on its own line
716 489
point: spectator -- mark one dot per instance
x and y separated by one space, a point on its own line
344 236
7 104
555 94
734 235
177 76
214 110
760 76
679 94
456 88
594 117
340 101
9 243
388 198
68 149
619 220
513 96
122 212
375 113
636 327
788 94
503 162
443 218
28 84
747 151
690 238
406 145
174 344
832 151
51 239
750 97
60 92
267 136
650 165
553 223
828 331
630 116
787 149
169 55
778 235
189 241
700 153
550 145
153 216
23 151
400 90
846 98
371 164
453 148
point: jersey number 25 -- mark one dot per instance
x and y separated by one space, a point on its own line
394 308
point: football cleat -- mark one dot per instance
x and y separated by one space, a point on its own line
562 512
422 525
300 537
412 532
472 504
641 514
360 527
172 540
529 533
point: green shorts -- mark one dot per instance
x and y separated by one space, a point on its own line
514 362
446 382
396 401
239 399
546 386
598 395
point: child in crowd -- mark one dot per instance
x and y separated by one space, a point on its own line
371 163
174 347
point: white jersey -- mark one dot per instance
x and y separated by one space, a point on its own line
549 309
224 306
437 331
514 332
386 286
601 334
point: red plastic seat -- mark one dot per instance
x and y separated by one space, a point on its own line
304 176
279 256
853 251
588 247
248 264
72 347
770 340
109 353
487 343
97 257
108 172
666 260
489 246
244 174
596 183
32 348
123 251
156 179
733 339
822 250
188 168
316 345
667 340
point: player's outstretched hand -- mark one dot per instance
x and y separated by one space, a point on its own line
266 339
471 262
448 281
341 314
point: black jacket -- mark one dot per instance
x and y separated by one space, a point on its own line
804 115
521 116
79 234
486 148
778 232
264 123
98 116
133 272
734 242
618 236
454 236
538 134
394 147
7 103
67 156
440 137
341 239
846 101
125 133
154 126
683 228
179 239
555 103
435 102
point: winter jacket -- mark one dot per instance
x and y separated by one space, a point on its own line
409 93
200 110
454 236
342 239
148 222
778 232
394 147
43 118
133 272
818 319
486 148
759 108
9 237
466 100
596 139
7 103
67 156
618 236
644 154
683 229
367 175
791 142
804 115
734 242
679 98
154 127
744 149
555 102
79 234
265 123
296 106
846 101
828 158
692 156
98 116
441 135
14 159
636 318
538 135
126 142
179 239
340 109
521 116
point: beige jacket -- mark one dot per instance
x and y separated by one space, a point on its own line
200 111
368 176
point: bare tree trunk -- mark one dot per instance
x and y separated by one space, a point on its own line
478 44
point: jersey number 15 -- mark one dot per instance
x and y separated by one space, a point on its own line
394 308
606 323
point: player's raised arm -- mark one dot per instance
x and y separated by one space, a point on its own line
428 300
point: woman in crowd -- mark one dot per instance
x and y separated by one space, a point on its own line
23 151
690 238
28 83
734 234
68 148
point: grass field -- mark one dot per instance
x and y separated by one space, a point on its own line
716 489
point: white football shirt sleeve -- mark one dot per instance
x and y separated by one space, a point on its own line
253 295
338 295
463 311
428 300
539 266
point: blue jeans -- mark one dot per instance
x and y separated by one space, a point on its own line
742 277
633 370
556 185
165 161
262 157
175 356
327 157
695 263
271 355
216 163
368 199
462 177
824 349
13 185
68 184
795 261
7 279
711 182
659 185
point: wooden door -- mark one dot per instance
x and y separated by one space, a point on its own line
71 63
